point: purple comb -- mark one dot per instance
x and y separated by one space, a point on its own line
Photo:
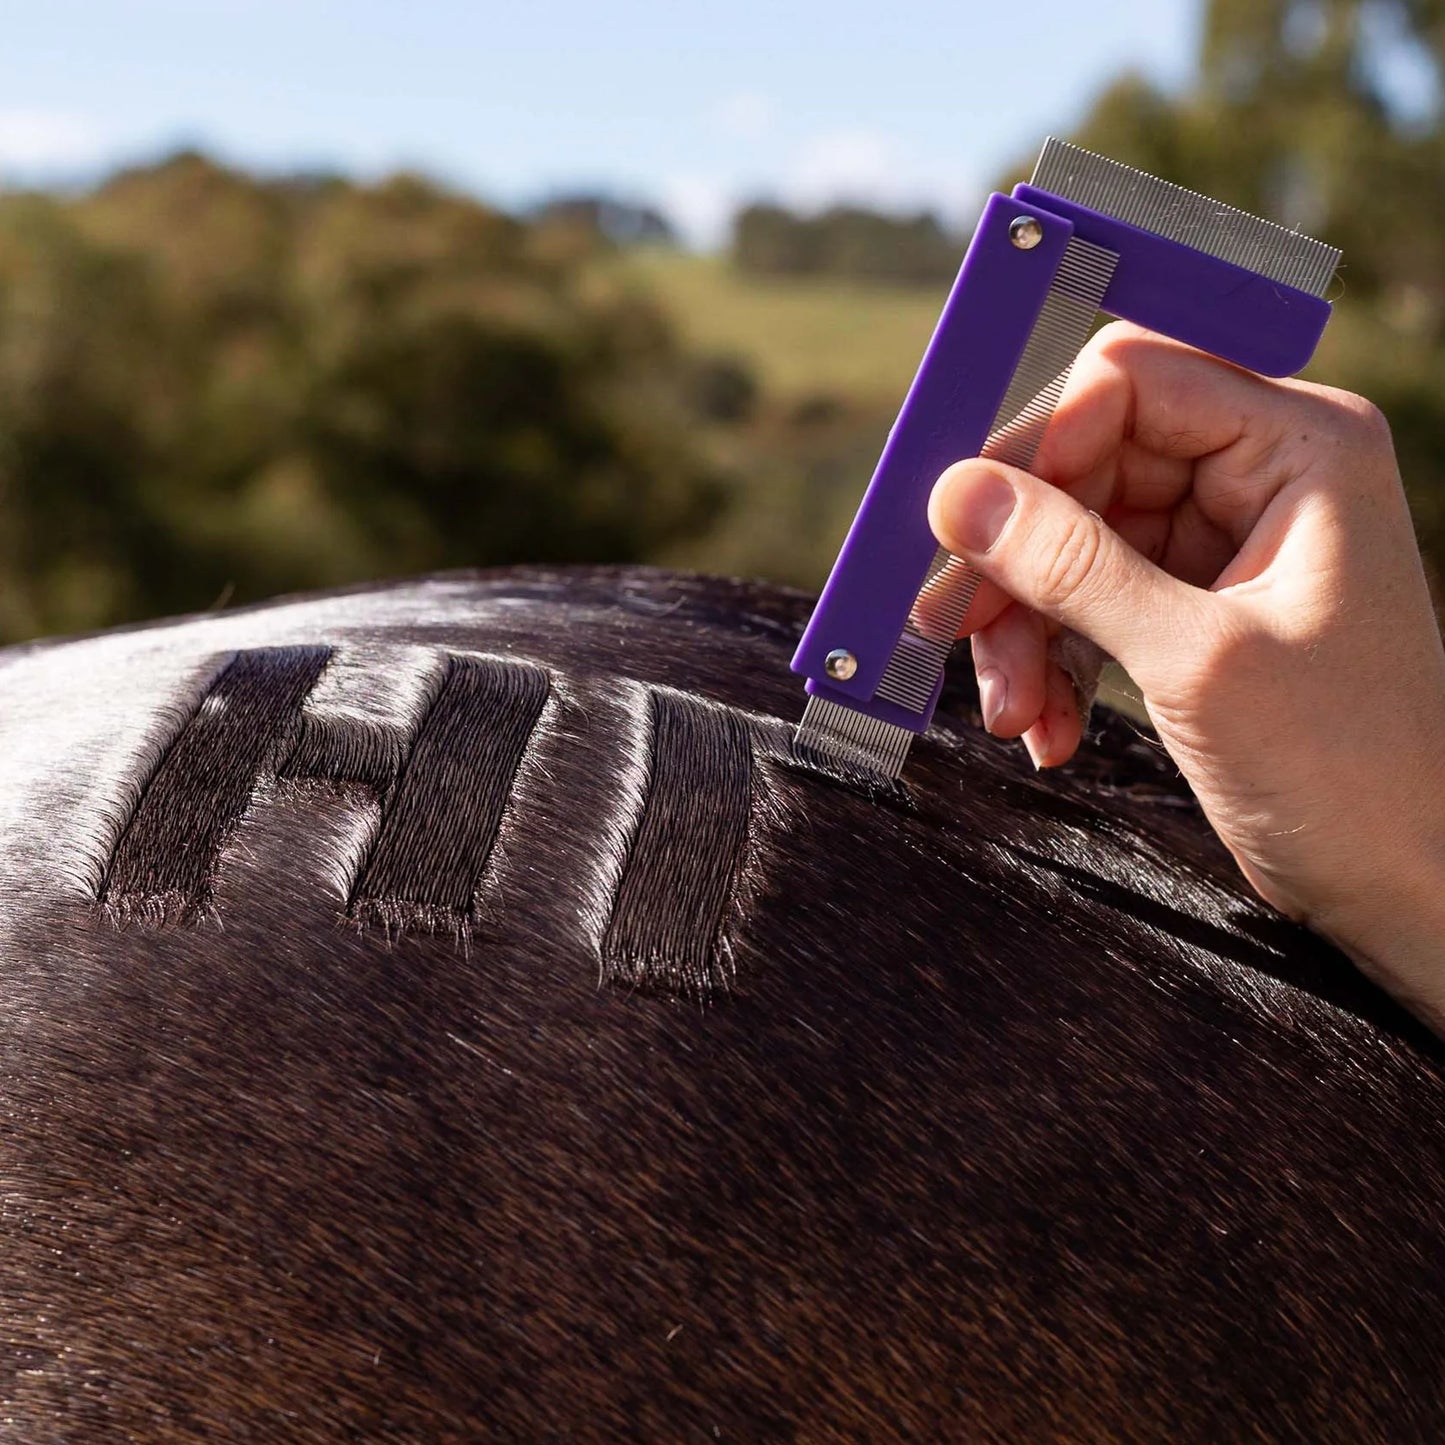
1085 235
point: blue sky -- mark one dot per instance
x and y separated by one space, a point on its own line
693 105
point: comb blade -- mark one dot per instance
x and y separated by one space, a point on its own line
1225 232
839 734
1058 337
1171 260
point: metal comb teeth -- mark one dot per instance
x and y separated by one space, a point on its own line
853 738
1057 338
1168 210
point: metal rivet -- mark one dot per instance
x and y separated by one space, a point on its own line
840 663
1025 232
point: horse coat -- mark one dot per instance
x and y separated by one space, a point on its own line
451 1011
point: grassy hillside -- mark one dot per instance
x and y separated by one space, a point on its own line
800 336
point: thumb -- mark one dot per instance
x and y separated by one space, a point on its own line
1046 551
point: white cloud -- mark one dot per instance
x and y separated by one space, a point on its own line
42 140
841 166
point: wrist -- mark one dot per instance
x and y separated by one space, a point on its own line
1392 925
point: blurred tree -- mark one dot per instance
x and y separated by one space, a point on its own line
209 382
1324 114
771 240
213 383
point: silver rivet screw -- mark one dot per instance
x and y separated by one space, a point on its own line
1025 232
840 664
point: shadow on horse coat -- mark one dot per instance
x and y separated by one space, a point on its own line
449 1011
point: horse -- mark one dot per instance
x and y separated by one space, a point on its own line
457 1010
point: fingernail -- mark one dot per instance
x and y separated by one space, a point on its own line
1036 740
974 504
992 695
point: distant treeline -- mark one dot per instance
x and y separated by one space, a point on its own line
846 241
850 242
608 218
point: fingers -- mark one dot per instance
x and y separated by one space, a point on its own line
1181 452
988 603
1009 657
1022 692
1046 551
1183 542
1145 421
1054 738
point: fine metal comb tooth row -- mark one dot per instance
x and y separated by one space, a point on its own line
1063 327
1186 216
1038 382
841 734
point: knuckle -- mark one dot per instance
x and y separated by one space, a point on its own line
1072 560
1371 426
1366 415
1116 346
1117 334
1356 418
1348 444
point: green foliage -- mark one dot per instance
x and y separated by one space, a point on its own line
828 360
1323 114
210 383
606 218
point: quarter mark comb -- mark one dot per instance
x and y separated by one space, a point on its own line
1085 235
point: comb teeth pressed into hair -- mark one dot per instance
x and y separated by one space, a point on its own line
837 734
1224 232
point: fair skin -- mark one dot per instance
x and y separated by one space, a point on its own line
1243 547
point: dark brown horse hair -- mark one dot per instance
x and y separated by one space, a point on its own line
452 1011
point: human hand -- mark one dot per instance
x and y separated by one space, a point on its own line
1244 548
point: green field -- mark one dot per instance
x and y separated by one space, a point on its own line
800 336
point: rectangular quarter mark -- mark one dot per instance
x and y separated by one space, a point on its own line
665 931
442 817
167 854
